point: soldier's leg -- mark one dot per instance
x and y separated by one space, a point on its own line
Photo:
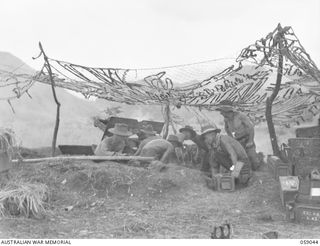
245 173
253 157
211 180
215 169
205 165
178 155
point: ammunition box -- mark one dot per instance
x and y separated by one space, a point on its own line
289 187
278 168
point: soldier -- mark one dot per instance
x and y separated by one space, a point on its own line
239 126
189 134
148 134
116 143
161 149
224 151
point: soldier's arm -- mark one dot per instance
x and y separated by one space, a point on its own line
139 148
228 147
122 149
138 151
248 126
167 153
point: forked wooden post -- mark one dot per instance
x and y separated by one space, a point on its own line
56 127
269 102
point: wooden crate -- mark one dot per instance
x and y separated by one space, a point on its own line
315 188
304 147
304 154
309 191
304 165
304 186
308 132
306 199
315 185
307 214
278 168
289 187
294 211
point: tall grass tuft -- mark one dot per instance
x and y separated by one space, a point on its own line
24 198
8 144
7 141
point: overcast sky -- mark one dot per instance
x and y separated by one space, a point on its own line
149 33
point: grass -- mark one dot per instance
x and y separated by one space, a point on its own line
23 198
7 140
148 203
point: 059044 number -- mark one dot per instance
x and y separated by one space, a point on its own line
308 241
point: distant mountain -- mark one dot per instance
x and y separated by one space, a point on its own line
10 63
34 119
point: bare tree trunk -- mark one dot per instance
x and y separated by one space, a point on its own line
272 132
56 127
269 102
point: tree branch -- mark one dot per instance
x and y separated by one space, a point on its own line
56 128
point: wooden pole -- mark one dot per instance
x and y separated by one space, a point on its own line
56 127
173 128
269 102
166 121
94 157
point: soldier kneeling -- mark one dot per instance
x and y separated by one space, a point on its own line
226 152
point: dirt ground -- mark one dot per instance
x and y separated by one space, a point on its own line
113 200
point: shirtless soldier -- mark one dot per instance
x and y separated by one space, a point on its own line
239 126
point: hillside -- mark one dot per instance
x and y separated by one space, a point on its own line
113 200
34 119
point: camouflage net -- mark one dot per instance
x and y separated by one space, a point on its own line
247 81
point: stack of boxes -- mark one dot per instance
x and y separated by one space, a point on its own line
306 208
302 202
